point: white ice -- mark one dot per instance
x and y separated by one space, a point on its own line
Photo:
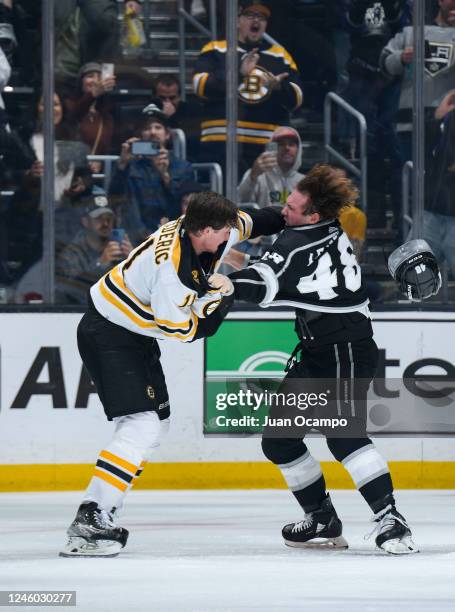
210 551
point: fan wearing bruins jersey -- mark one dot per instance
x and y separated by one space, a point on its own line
269 87
311 267
168 288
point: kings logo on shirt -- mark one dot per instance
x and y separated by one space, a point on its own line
438 57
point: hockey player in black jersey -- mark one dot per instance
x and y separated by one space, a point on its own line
311 268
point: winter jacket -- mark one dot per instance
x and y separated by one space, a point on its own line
148 198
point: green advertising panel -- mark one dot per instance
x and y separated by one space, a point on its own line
248 349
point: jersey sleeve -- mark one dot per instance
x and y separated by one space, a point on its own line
260 282
253 222
209 79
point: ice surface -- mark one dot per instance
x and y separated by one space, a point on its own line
210 551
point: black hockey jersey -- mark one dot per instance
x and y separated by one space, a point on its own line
260 110
309 267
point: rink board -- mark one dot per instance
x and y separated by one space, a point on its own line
52 425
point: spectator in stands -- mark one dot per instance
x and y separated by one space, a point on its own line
397 59
68 153
185 116
269 88
91 254
439 214
73 205
85 30
375 95
274 174
147 184
90 109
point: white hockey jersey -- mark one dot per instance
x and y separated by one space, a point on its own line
161 290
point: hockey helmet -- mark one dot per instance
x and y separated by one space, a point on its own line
415 268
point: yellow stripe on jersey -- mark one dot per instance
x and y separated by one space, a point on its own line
245 225
222 138
112 299
215 45
298 95
180 326
176 254
200 91
241 124
111 480
116 460
279 51
117 278
180 336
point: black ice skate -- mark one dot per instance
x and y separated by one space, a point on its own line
319 529
393 533
93 533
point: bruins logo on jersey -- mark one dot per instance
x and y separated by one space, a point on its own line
252 90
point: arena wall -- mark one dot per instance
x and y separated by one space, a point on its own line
52 425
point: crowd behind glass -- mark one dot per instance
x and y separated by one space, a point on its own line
129 143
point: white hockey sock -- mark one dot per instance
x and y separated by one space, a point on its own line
301 472
121 462
365 464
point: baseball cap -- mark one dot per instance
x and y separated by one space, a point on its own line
254 6
285 132
153 111
97 205
89 67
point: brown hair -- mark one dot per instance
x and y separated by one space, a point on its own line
329 189
209 209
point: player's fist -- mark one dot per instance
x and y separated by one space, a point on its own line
222 283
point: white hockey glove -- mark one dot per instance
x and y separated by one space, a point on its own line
222 283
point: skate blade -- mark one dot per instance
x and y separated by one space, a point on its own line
397 546
78 547
338 543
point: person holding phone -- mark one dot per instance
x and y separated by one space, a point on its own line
275 172
95 249
147 175
90 109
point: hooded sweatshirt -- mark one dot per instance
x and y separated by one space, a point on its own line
272 186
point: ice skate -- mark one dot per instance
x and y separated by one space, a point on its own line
320 529
93 533
393 533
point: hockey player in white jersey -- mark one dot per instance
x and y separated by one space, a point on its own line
311 267
168 288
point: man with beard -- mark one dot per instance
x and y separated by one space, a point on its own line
269 88
91 254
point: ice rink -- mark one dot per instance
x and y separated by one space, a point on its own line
209 551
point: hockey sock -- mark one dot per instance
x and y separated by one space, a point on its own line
306 481
112 479
117 509
122 461
370 473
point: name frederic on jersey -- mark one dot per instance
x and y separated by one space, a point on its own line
164 243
